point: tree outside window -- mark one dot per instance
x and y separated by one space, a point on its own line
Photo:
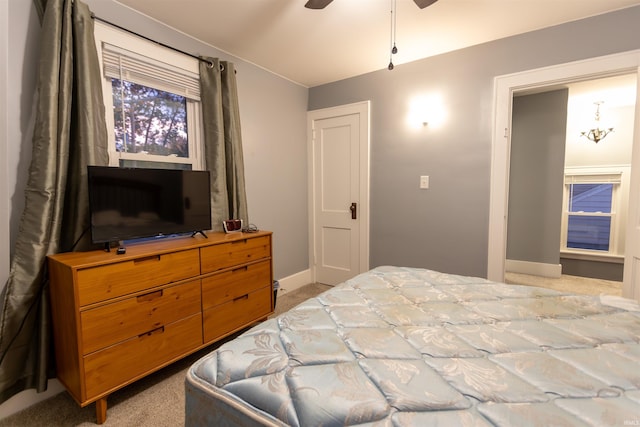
149 120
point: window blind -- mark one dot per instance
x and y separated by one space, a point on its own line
123 64
594 178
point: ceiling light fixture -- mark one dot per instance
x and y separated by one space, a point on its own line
392 36
596 134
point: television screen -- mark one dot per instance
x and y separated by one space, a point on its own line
133 203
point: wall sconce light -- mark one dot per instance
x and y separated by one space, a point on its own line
596 134
426 111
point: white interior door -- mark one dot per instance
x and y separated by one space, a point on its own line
631 276
339 192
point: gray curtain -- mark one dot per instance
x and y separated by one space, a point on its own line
223 141
69 134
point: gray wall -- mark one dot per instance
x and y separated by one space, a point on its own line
446 226
273 118
594 269
536 175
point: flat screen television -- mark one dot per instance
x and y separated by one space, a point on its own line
134 203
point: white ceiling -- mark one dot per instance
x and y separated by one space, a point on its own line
352 37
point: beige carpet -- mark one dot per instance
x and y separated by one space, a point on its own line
566 283
157 400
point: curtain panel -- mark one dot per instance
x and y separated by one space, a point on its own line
69 134
223 141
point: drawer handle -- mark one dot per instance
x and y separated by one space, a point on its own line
147 259
245 268
152 332
150 296
245 296
235 242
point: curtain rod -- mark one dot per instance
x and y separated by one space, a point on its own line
199 58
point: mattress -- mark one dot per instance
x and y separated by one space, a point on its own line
403 346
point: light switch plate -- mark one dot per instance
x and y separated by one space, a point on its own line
424 181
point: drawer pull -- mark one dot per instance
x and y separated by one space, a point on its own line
152 332
147 259
245 296
150 296
245 268
235 242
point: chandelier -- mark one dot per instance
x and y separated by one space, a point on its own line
596 134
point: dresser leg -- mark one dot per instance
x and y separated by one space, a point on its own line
101 410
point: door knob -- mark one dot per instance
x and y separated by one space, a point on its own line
354 210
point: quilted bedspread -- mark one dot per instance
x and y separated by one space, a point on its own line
413 347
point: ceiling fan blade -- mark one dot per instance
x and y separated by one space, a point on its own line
317 4
424 3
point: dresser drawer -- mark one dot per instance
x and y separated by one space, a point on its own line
225 255
239 312
122 278
112 323
116 365
226 286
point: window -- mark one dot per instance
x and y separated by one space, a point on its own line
590 219
149 120
152 102
589 216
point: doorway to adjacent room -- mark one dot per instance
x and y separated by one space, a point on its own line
506 86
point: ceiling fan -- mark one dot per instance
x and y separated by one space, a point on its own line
321 4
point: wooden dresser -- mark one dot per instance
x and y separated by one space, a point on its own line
117 318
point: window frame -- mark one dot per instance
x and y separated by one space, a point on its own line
106 34
617 176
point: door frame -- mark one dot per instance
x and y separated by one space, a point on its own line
504 88
363 109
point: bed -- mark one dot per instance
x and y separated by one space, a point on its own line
413 347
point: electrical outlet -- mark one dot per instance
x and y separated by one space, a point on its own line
424 181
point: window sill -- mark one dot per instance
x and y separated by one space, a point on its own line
588 256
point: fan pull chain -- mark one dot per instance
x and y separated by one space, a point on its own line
392 43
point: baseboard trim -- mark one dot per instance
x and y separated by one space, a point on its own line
29 397
533 268
295 281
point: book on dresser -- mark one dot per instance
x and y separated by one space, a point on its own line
119 317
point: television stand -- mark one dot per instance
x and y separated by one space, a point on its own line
118 318
199 232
